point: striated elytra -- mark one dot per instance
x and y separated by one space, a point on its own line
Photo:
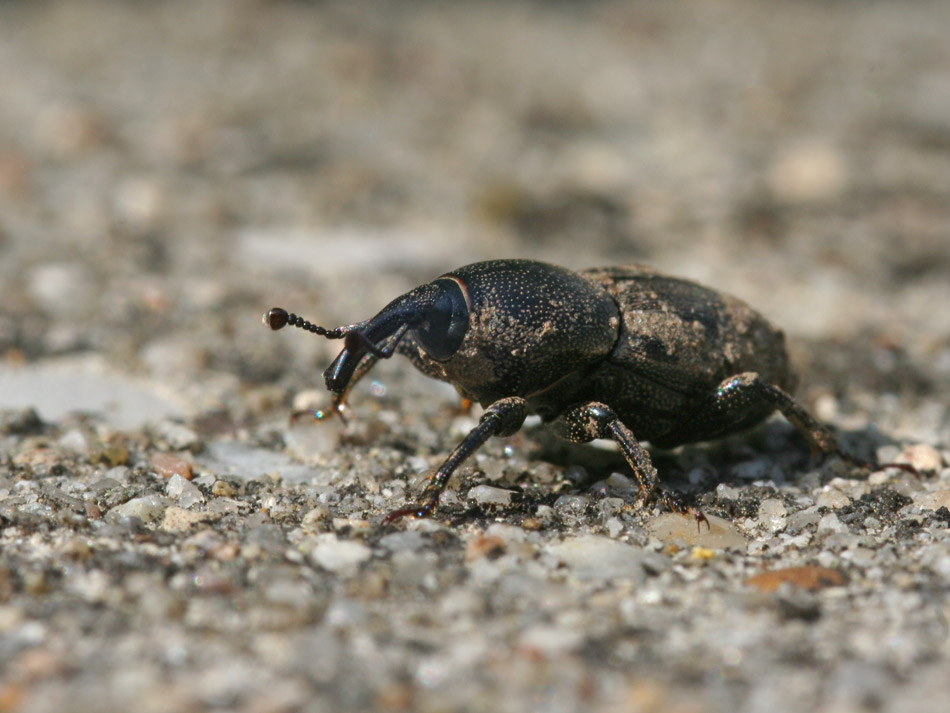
624 353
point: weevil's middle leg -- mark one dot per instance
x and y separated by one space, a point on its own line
502 418
586 422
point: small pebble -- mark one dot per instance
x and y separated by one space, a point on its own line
809 577
74 440
772 514
550 641
481 545
168 464
223 488
19 421
807 172
316 519
830 524
177 519
339 556
145 508
112 454
933 501
486 495
925 458
832 499
403 540
682 530
592 557
177 435
184 491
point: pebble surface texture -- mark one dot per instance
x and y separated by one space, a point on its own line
169 171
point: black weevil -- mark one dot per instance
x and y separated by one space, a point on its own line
624 353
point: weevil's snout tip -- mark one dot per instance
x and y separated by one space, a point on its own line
276 318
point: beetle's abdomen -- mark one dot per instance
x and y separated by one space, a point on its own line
678 341
532 327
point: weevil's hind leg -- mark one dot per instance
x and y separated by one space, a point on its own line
586 422
338 402
739 394
502 418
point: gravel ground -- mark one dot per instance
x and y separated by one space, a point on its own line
168 171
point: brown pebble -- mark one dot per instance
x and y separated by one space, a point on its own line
168 464
11 696
76 548
39 457
531 524
112 454
490 546
223 488
394 697
808 577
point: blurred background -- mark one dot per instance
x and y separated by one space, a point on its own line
171 169
168 170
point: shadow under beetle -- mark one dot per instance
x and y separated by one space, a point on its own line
624 353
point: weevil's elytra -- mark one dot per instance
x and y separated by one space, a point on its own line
624 353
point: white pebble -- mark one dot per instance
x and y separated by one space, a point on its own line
594 557
487 495
772 514
340 556
832 498
926 459
146 508
830 523
184 491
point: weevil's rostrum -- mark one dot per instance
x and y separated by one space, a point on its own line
621 352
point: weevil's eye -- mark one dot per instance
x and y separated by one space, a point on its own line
445 322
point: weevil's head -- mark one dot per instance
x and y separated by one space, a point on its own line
492 329
435 314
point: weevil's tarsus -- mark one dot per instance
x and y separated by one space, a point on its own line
874 467
337 408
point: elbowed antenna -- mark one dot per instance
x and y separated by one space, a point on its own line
278 318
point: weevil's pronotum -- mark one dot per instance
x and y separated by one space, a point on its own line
624 353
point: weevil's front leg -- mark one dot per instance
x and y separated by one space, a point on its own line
502 418
338 401
735 395
586 422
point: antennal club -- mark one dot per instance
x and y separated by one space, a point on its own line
278 318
